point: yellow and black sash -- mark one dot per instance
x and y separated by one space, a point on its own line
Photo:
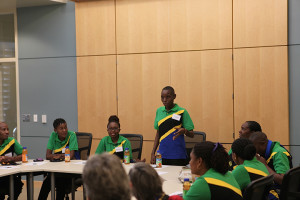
255 173
167 125
8 148
61 148
222 190
114 150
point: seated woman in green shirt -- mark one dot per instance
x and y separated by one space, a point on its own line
114 143
211 162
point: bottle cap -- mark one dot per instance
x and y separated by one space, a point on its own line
187 179
126 148
24 147
67 147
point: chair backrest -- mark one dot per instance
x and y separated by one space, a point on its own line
290 188
258 189
84 144
190 142
136 141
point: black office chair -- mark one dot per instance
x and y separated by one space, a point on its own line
190 142
259 189
84 144
136 141
290 188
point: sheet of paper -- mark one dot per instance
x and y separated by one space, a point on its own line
9 167
161 173
162 167
34 163
80 162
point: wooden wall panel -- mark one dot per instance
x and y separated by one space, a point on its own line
203 84
142 26
147 149
259 23
96 88
261 90
95 28
141 78
200 24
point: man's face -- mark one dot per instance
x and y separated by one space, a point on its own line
62 130
4 131
245 131
167 98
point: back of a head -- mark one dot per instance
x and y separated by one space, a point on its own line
258 138
214 155
146 183
254 126
244 148
105 178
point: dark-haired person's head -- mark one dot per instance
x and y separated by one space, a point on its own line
61 128
242 149
248 128
168 96
206 155
146 183
105 178
113 127
260 141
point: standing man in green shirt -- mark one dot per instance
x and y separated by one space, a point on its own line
59 139
10 151
172 123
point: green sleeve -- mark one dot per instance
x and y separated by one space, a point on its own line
281 163
156 121
73 145
199 190
187 122
18 148
127 144
241 176
51 140
101 147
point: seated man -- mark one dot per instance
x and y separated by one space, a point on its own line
10 151
105 178
57 143
275 157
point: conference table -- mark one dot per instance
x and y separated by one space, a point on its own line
169 174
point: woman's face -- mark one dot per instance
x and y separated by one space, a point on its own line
113 130
195 164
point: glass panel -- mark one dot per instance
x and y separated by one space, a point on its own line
8 103
7 36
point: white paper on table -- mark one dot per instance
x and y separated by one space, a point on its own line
163 166
80 163
34 163
176 193
9 167
161 173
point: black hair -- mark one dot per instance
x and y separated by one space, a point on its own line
244 148
214 156
58 121
170 88
114 118
258 138
254 126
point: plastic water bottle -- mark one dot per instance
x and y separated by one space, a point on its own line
24 155
186 186
127 156
67 154
158 160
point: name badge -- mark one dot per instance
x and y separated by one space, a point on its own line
8 154
63 150
176 117
119 149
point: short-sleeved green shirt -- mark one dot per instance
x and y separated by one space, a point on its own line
214 185
278 160
107 145
56 145
10 146
249 171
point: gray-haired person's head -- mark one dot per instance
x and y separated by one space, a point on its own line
105 178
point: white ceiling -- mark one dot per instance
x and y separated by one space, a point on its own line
12 4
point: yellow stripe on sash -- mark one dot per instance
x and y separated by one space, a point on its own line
255 171
114 150
169 132
7 146
169 116
271 157
60 149
274 193
217 182
286 153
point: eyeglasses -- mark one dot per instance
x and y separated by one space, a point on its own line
113 129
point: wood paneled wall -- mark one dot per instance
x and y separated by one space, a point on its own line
209 50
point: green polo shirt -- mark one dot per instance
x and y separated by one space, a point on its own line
55 144
249 171
279 159
214 185
11 145
107 145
